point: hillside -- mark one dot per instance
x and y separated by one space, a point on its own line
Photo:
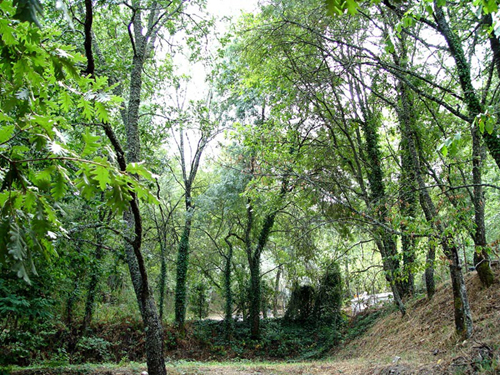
425 336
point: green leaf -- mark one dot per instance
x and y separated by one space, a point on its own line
65 101
139 169
489 125
443 147
16 246
91 144
7 33
480 123
101 174
490 6
102 112
86 107
352 6
6 133
27 10
59 184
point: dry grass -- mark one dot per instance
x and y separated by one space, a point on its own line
426 334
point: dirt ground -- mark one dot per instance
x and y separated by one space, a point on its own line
422 342
354 367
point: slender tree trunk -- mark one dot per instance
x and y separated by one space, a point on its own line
408 212
276 291
163 278
181 281
255 298
481 257
93 286
95 275
142 45
228 310
430 284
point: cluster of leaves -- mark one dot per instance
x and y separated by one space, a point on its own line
43 155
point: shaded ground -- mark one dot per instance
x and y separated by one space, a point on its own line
422 342
310 368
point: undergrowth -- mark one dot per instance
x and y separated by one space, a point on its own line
122 342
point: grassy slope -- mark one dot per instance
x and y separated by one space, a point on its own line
426 334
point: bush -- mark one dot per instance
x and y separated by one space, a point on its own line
93 347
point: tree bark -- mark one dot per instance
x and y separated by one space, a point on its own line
492 141
276 291
463 317
93 286
182 268
228 309
430 285
385 241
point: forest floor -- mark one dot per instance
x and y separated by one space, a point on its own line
422 342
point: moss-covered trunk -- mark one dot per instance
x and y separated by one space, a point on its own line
385 240
492 141
228 307
181 278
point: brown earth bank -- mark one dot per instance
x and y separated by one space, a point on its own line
422 342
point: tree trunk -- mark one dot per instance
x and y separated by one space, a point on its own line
385 241
463 70
132 217
492 141
163 276
481 257
430 284
228 310
463 319
182 267
93 285
276 292
254 297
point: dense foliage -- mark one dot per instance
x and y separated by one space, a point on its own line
331 148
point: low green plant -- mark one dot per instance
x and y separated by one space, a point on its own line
94 347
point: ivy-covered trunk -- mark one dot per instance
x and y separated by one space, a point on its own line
254 297
491 139
463 319
228 309
188 177
254 254
407 208
182 268
93 282
276 291
430 283
408 184
385 240
481 256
